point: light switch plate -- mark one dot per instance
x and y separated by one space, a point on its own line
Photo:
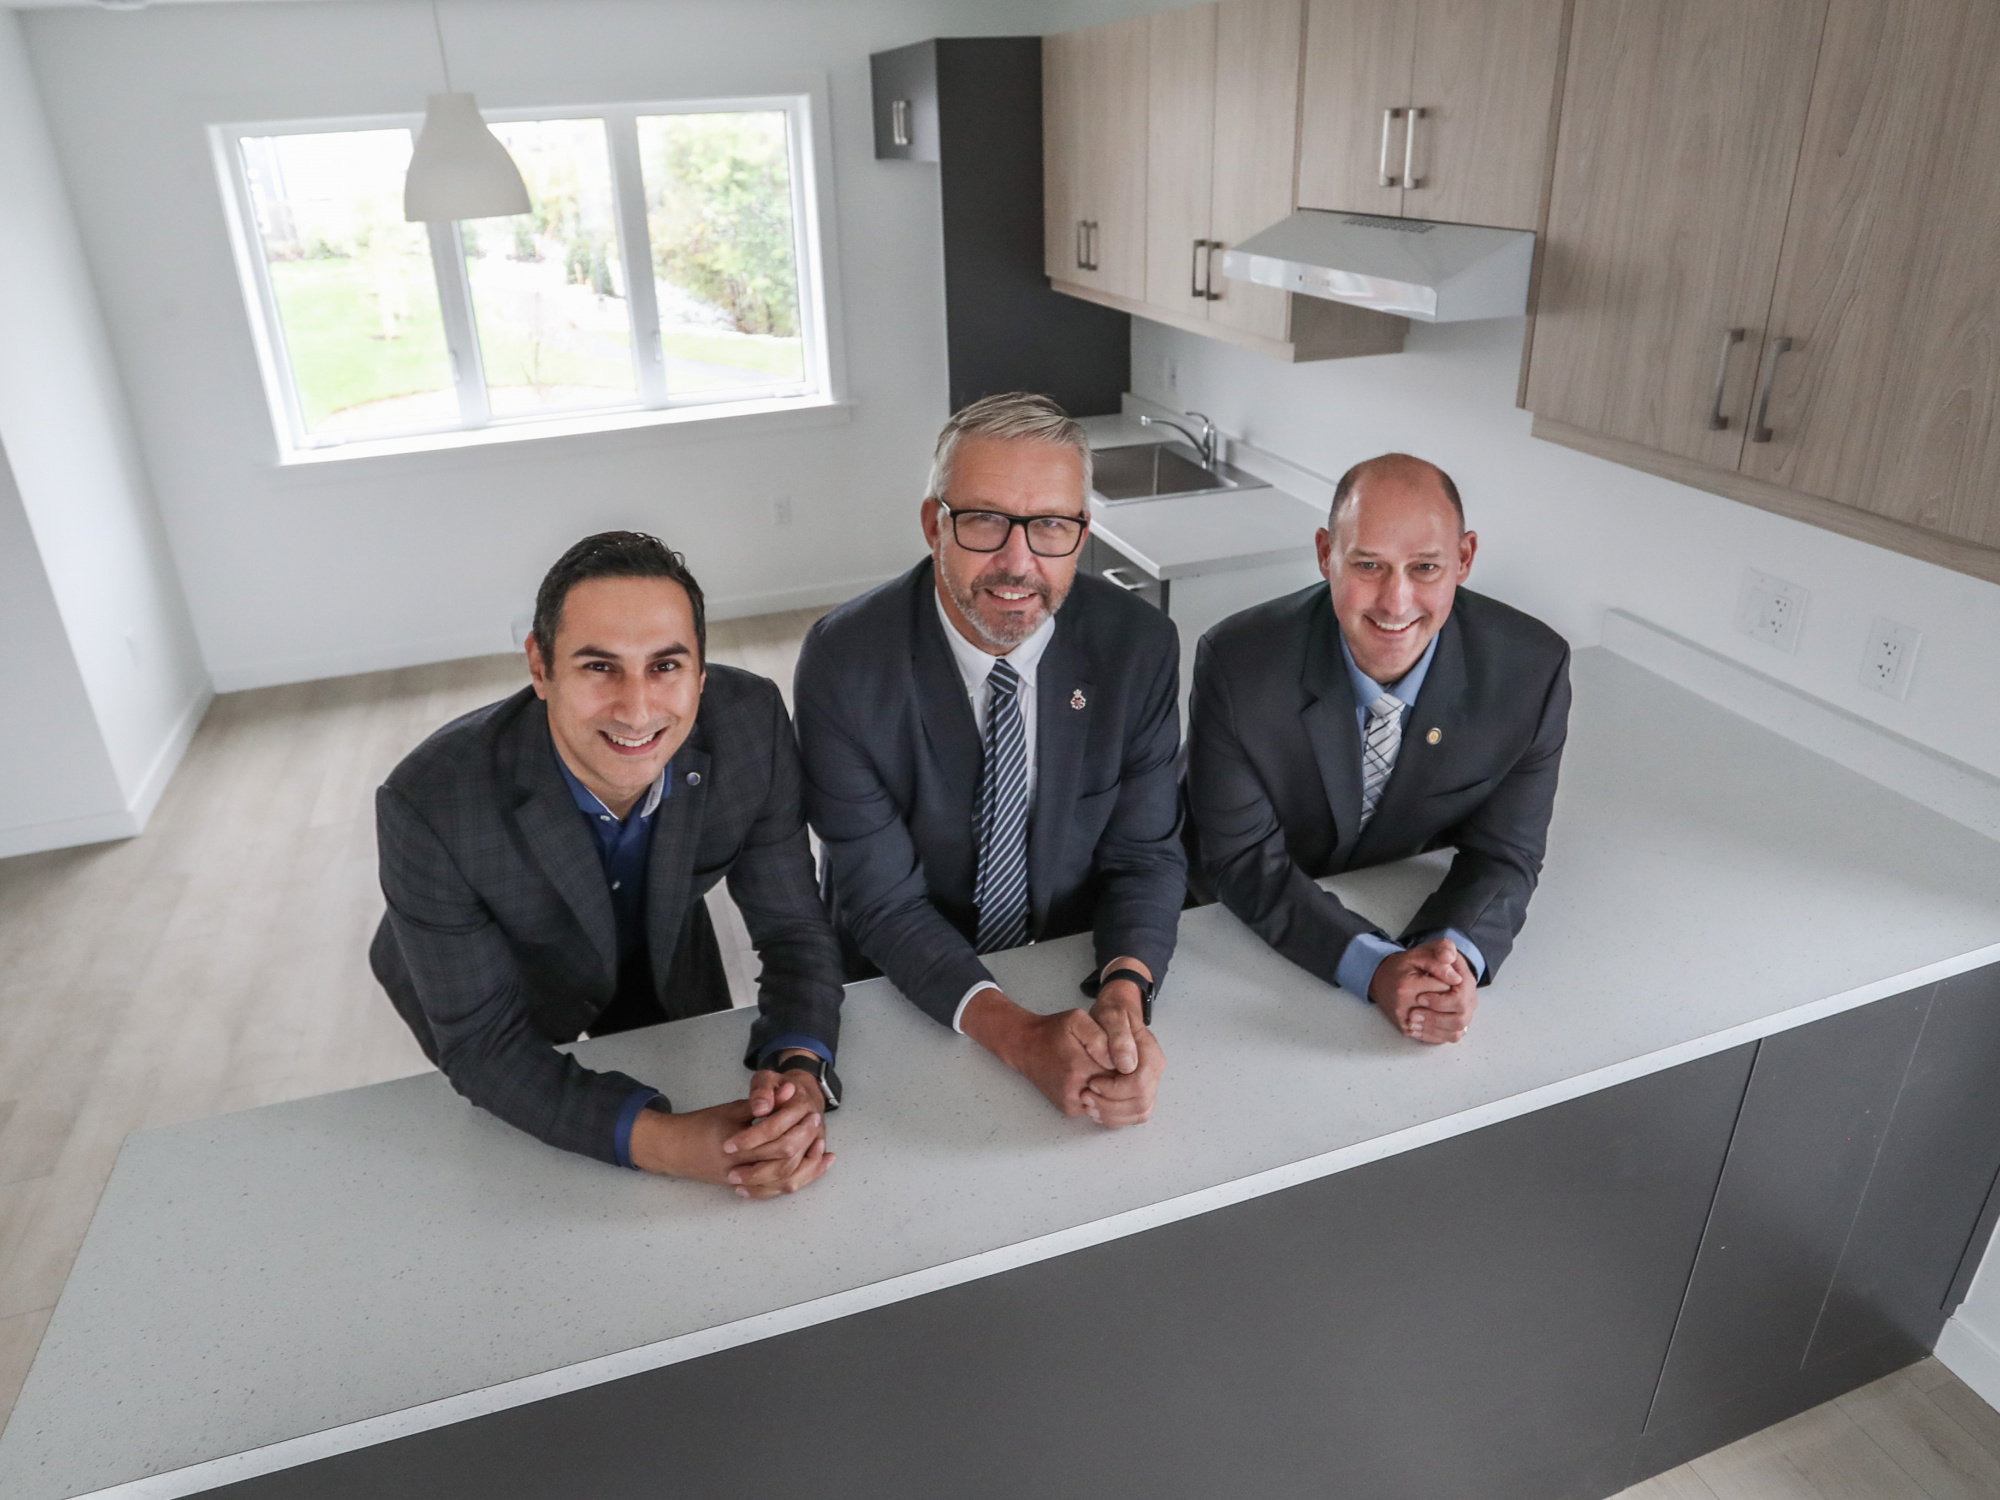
1890 658
1771 610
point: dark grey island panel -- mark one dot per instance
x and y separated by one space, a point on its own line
1548 1308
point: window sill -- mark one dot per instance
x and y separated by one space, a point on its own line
707 422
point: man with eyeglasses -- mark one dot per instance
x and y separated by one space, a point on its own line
989 745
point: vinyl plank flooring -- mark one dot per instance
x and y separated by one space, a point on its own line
19 1337
1924 1442
1980 1421
1676 1484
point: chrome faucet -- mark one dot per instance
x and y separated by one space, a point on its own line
1204 445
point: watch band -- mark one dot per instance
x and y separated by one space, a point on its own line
1144 984
822 1072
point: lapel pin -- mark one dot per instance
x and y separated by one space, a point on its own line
1077 700
1434 736
694 777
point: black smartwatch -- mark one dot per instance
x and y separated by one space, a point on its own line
1095 983
822 1072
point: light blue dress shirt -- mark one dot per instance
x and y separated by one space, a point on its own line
1364 955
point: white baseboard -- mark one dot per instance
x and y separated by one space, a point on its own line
67 833
741 606
240 676
1967 1353
167 761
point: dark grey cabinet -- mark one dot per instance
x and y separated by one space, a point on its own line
973 106
1549 1308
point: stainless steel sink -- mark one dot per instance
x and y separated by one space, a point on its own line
1160 471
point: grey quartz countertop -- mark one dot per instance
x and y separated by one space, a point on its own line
314 1276
1200 533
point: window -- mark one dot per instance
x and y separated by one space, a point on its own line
666 261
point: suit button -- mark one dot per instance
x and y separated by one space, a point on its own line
694 778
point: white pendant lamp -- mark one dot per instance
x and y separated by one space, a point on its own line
459 169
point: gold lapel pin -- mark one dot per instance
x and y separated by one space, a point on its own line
1076 699
1434 736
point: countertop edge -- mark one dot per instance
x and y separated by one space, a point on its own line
349 1437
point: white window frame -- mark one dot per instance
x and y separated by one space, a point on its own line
654 403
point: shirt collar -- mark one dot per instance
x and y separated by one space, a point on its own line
591 805
1367 689
974 664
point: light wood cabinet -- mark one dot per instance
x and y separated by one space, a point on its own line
1180 156
1772 267
1681 125
1094 102
1888 396
1442 109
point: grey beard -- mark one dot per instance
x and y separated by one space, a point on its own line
1006 639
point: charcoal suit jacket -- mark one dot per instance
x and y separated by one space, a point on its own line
499 941
892 764
1274 774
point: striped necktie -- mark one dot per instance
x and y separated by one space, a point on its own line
1000 891
1378 752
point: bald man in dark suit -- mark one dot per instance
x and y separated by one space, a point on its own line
1387 711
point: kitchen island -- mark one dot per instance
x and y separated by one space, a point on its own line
1684 1174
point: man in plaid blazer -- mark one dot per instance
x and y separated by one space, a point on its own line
545 860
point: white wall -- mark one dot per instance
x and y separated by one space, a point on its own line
1565 536
87 520
330 568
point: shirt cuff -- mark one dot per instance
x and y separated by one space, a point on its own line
965 1000
795 1041
1357 966
628 1116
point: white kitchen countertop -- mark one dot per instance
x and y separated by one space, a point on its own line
311 1277
1199 534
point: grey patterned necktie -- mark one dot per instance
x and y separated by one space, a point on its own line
1378 753
1000 891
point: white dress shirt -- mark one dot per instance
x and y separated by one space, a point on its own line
974 666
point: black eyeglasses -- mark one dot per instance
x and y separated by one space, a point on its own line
988 530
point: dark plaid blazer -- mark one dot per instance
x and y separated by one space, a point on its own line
1274 774
499 940
892 760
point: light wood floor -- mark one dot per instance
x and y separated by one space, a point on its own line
219 962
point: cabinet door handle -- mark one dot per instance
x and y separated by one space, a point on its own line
1208 272
1090 239
1117 577
899 121
1410 178
1761 433
1195 288
1082 263
1383 176
1717 422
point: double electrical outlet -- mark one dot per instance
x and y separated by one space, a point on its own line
1773 611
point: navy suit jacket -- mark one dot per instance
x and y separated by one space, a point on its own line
892 762
1274 773
500 942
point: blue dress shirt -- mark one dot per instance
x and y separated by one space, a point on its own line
625 848
1364 955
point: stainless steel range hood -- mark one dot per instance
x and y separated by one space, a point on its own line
1436 273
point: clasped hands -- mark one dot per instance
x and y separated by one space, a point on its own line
1428 992
1103 1062
771 1143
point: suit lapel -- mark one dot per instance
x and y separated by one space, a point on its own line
1330 727
556 839
670 864
1440 707
941 700
1063 698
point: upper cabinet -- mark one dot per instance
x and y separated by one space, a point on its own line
1681 126
1771 267
1439 109
1094 123
1882 359
1216 136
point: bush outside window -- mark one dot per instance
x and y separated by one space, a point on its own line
373 328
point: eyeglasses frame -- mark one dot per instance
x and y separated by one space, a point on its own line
1012 521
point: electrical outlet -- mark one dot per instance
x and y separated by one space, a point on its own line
781 510
1771 610
1170 374
1890 658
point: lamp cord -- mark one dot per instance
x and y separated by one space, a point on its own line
443 61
